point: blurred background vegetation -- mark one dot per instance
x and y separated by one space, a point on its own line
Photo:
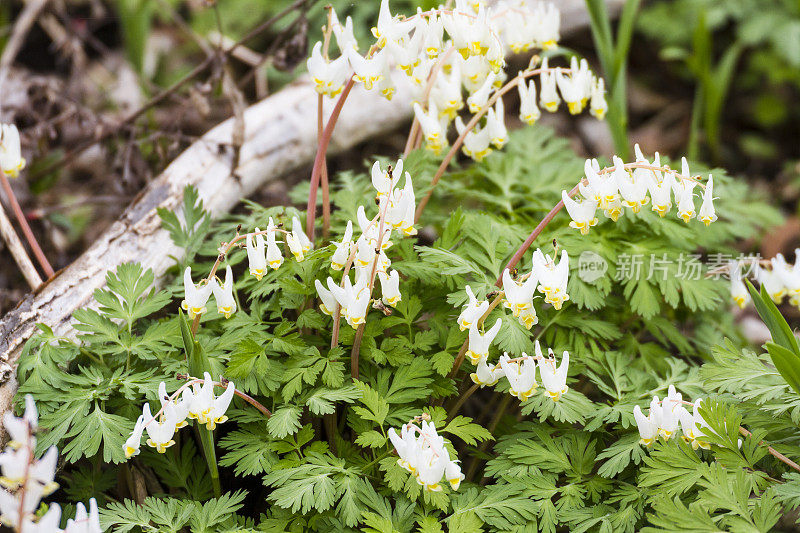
719 81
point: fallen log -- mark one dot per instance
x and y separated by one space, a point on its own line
280 136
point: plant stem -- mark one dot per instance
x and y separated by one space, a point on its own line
776 454
464 347
326 200
354 355
26 229
319 160
453 410
535 233
17 250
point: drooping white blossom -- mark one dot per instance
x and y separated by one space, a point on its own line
256 254
195 296
473 311
11 160
421 451
329 76
479 343
485 375
521 375
274 257
223 294
299 243
582 213
553 277
554 378
739 291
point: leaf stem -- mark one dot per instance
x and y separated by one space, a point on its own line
776 454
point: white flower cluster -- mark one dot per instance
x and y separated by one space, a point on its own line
549 277
11 160
665 416
259 258
422 452
780 280
367 254
26 480
633 186
521 373
191 401
422 47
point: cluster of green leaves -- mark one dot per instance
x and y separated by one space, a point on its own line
323 461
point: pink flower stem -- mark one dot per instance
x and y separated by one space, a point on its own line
319 161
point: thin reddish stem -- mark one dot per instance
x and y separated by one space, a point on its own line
534 234
26 229
319 160
326 200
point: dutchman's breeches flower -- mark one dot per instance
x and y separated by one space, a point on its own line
479 343
274 257
160 431
486 376
11 160
554 378
196 296
226 303
553 278
328 76
473 311
739 291
582 213
521 376
256 254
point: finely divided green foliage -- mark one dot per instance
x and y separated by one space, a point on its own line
323 461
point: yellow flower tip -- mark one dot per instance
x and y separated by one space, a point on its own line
463 326
258 274
474 378
388 94
547 45
10 484
552 107
647 442
130 452
777 297
433 488
50 488
574 107
740 301
599 114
